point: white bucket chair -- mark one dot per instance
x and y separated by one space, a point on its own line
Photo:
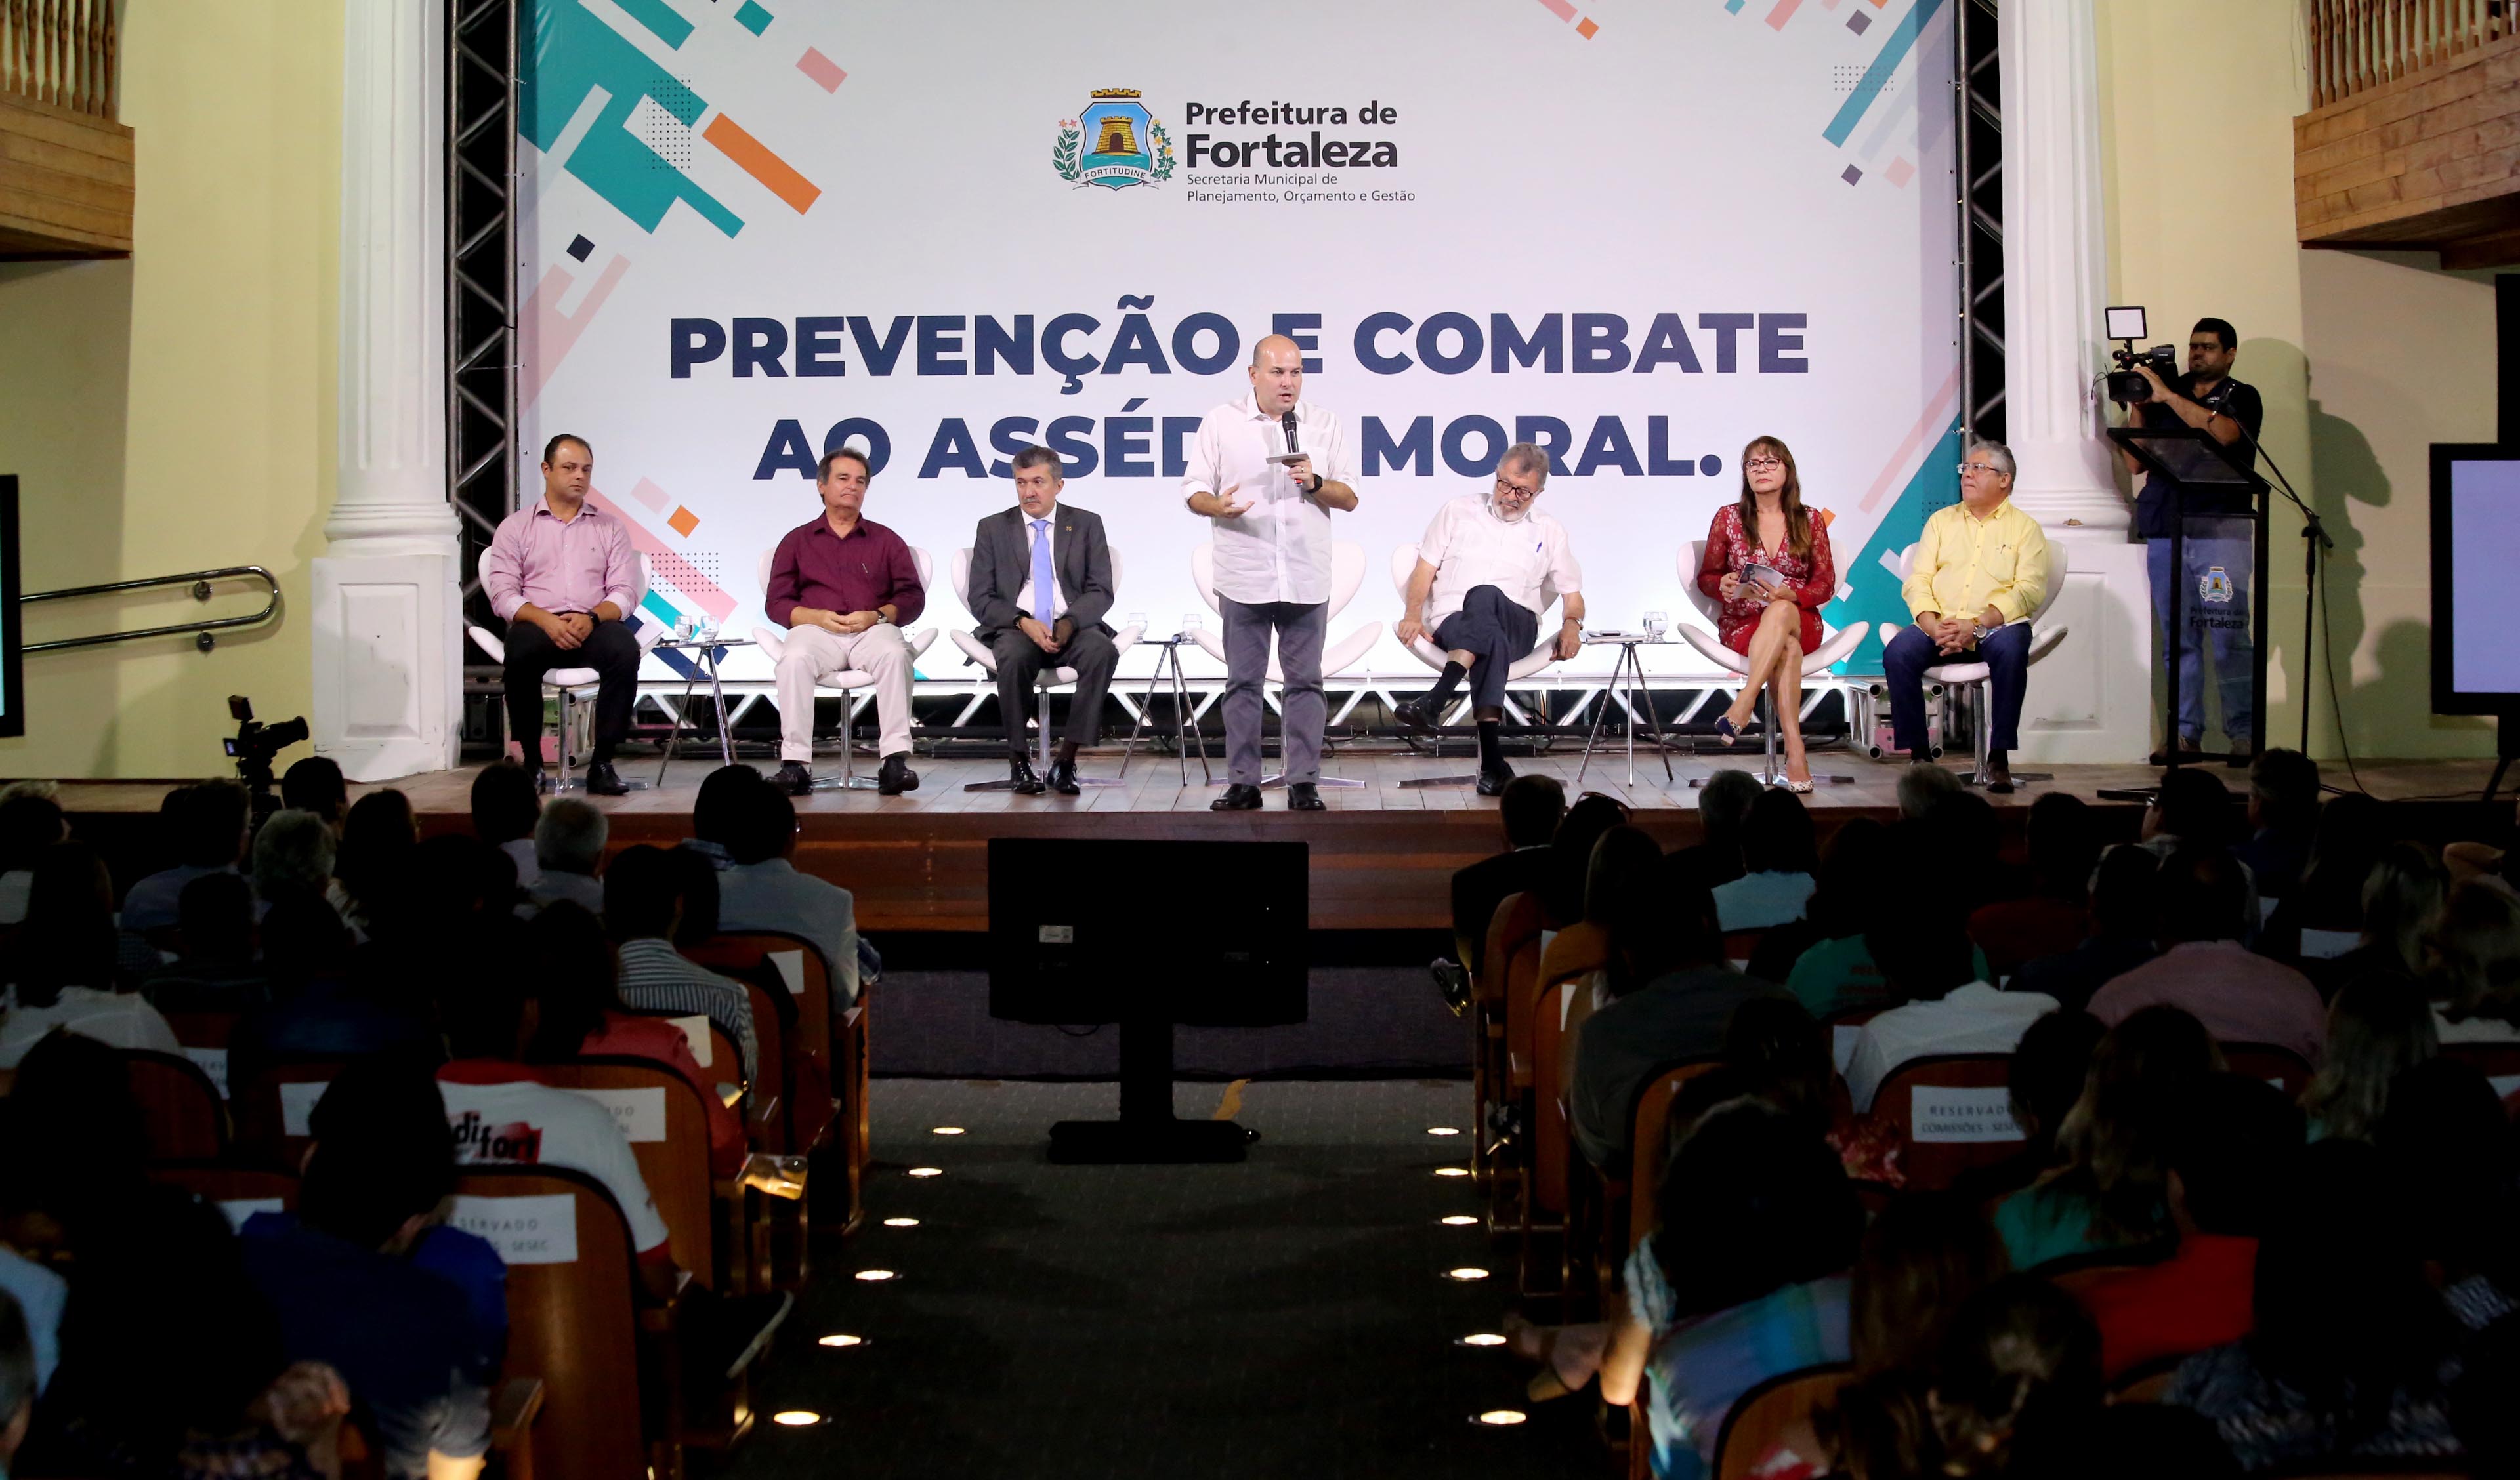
1403 564
1061 676
1833 647
849 682
576 686
1978 678
1347 575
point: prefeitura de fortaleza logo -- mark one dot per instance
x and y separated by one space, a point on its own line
1113 142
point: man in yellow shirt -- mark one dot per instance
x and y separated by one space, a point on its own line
1981 570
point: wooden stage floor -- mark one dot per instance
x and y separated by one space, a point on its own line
1382 856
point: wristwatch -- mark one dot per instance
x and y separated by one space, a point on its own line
1977 632
1319 482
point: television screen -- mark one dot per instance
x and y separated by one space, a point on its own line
13 690
2476 578
1096 930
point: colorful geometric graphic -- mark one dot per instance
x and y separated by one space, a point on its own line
574 54
752 17
825 72
755 159
1588 28
550 334
1876 77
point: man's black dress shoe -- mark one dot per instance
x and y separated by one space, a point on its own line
1492 783
1025 781
896 777
603 781
1411 715
1242 796
1063 778
1304 797
794 778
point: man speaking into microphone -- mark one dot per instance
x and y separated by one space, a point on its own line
1266 471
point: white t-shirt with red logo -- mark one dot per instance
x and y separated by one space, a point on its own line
503 1117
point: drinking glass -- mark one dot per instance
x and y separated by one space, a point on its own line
1137 619
1655 622
1189 623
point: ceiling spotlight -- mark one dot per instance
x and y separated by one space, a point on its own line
1498 1418
901 1223
1443 1129
797 1418
1474 1338
1459 1220
1439 1171
1464 1274
926 1171
948 1131
843 1339
875 1274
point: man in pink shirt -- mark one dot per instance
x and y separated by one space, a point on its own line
2203 968
565 579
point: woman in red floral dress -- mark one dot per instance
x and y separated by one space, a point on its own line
1774 624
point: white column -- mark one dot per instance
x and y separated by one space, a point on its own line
389 668
2091 699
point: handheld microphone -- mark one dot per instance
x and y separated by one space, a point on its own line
1288 422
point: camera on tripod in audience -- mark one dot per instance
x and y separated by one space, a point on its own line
2126 384
254 746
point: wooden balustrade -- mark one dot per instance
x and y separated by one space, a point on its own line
2357 45
60 52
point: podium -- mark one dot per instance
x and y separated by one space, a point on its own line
2192 460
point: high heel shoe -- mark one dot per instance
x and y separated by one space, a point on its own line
1726 731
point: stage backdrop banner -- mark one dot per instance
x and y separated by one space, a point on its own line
1638 231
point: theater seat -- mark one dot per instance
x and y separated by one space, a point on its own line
1938 1141
1774 1412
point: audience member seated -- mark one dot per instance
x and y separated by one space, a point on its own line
1624 900
1530 811
2378 1027
1829 967
2352 831
314 785
2475 977
2351 1352
71 1186
2192 808
1744 1278
2043 1081
2455 1159
504 808
2284 820
339 1277
1724 806
322 1007
2228 1146
1921 785
568 852
1570 856
759 889
213 969
2204 970
2064 848
1923 1257
1777 857
378 840
19 1383
173 1365
35 1296
2016 1390
649 896
207 828
1679 1015
65 954
573 976
1925 959
28 825
2122 914
2105 1191
1960 833
2402 906
292 857
1778 1052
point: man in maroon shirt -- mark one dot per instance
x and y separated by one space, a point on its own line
841 585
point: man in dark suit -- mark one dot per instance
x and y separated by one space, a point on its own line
1041 585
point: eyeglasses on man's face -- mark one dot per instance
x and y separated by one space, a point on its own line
1762 463
1506 486
1985 467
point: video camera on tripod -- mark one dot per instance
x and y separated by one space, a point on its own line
254 746
2126 384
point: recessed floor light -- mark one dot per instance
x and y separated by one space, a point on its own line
840 1338
901 1223
1439 1171
1501 1417
1443 1129
947 1131
1464 1274
1460 1220
1474 1338
797 1418
926 1171
875 1275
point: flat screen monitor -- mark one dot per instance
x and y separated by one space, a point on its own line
13 689
1097 930
2476 578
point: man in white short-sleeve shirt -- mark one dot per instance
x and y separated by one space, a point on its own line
1486 569
502 1116
1271 523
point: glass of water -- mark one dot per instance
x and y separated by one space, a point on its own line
1655 622
1189 623
1137 619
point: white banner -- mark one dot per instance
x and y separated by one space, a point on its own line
757 229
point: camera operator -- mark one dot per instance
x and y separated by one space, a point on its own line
2220 550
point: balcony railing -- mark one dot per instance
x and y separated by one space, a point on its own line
2357 45
60 52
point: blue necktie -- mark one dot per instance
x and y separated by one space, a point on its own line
1043 584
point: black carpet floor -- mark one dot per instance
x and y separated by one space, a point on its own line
1288 1316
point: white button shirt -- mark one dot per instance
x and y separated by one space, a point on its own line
1057 594
1280 549
1976 1019
1528 559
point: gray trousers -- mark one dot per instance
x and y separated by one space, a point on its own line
1302 709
